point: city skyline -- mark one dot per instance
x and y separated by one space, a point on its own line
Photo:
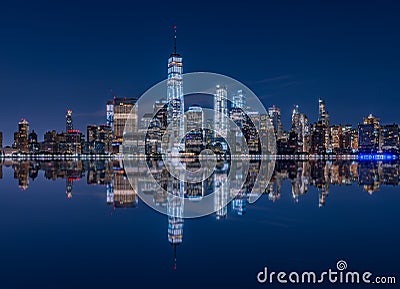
66 70
112 128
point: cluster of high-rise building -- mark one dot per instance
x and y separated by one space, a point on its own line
100 139
71 141
322 137
147 132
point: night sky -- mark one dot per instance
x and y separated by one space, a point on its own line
58 56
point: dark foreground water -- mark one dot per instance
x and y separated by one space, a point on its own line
78 225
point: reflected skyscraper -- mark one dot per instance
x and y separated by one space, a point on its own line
301 175
123 194
110 193
221 189
21 173
68 190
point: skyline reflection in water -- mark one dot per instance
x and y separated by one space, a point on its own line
103 236
370 175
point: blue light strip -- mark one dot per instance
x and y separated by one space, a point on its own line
377 157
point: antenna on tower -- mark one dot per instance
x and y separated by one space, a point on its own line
175 39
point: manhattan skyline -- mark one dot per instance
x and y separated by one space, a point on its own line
51 64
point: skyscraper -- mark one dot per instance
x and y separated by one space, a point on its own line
110 113
239 100
68 121
155 128
275 116
367 141
175 97
317 142
194 120
33 144
390 138
323 117
372 120
301 129
336 135
99 139
21 136
122 108
221 112
322 112
346 138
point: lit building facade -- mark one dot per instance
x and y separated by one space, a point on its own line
221 112
21 136
301 129
99 139
323 117
275 116
175 98
317 142
68 121
194 120
110 113
33 144
390 138
122 112
367 138
239 100
375 122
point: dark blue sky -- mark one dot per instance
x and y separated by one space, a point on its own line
55 56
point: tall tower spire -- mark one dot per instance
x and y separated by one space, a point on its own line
175 39
175 97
